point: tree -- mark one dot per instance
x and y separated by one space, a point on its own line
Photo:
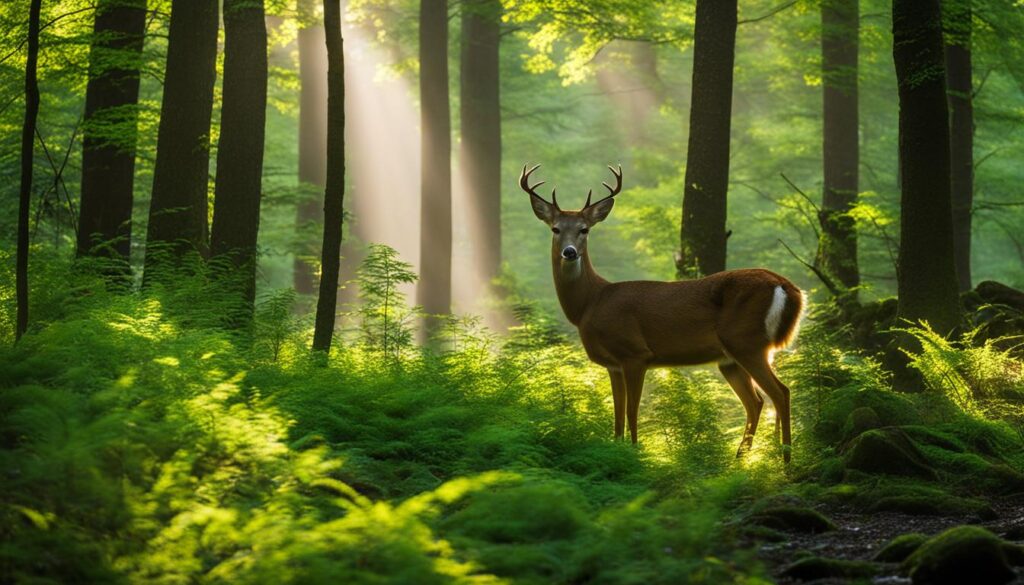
334 192
926 280
28 132
434 292
179 206
236 209
703 234
109 135
312 142
837 249
480 110
957 24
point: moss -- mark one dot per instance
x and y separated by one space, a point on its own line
975 472
964 554
906 497
889 451
944 506
792 519
926 435
761 533
898 549
815 568
860 420
892 409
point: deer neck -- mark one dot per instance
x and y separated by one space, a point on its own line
577 284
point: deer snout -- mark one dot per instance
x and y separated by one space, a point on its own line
570 253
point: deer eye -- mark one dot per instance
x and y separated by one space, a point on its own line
585 231
556 230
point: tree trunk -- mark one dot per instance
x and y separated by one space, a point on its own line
927 281
703 235
837 250
236 210
179 206
28 136
109 134
435 284
312 144
957 19
334 193
480 110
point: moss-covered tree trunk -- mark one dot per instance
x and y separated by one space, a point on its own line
28 136
703 234
312 148
179 206
334 193
927 281
837 249
480 155
236 210
434 292
957 20
109 131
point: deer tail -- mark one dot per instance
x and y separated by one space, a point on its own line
783 318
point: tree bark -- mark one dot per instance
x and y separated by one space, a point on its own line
179 206
957 19
703 234
480 110
334 193
28 136
312 144
837 249
434 290
236 210
109 134
927 282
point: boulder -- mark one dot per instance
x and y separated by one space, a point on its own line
888 451
965 554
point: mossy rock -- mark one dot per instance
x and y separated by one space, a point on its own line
889 451
762 533
792 519
965 554
906 496
815 568
915 505
925 435
898 549
891 408
860 420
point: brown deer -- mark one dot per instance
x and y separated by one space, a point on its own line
737 318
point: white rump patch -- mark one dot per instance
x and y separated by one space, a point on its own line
774 316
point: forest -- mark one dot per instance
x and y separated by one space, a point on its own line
282 298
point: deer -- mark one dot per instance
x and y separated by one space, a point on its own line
737 319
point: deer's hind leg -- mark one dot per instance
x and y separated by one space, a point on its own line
757 366
743 386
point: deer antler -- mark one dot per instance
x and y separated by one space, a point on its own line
611 192
524 184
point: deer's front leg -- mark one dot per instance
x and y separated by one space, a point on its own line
634 377
619 399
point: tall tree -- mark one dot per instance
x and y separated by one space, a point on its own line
480 111
703 235
179 206
334 192
28 135
957 21
837 249
236 209
435 286
109 134
312 143
926 281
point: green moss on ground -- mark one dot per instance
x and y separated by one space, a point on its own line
860 420
906 496
817 568
898 549
889 451
792 519
964 554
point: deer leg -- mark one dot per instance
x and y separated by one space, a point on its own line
619 399
777 392
634 378
743 386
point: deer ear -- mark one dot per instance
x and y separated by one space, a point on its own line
543 210
598 211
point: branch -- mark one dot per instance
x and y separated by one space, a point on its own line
817 271
768 14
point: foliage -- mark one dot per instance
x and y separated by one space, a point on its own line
385 320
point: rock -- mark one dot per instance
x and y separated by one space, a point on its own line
899 548
890 451
1000 294
814 568
965 554
919 505
860 420
792 519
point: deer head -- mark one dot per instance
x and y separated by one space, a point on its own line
569 229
